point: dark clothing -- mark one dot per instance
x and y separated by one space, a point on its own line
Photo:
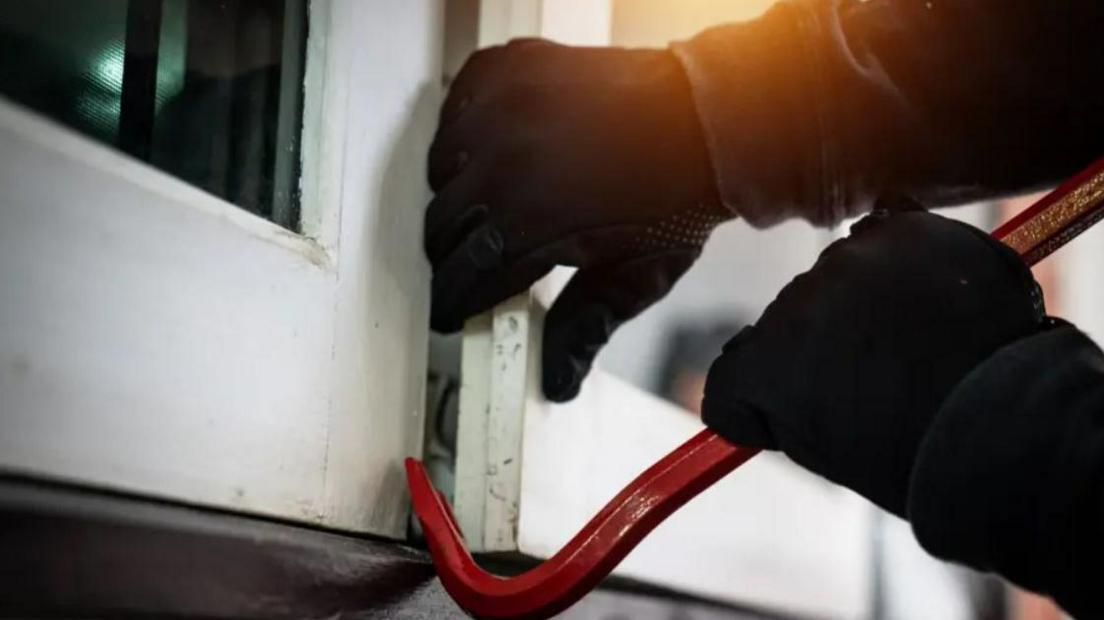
818 108
1010 477
846 370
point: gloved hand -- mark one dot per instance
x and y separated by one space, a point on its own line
847 367
589 157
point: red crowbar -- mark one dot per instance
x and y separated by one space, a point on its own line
567 576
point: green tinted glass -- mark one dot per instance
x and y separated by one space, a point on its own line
207 90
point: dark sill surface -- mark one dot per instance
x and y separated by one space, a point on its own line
68 552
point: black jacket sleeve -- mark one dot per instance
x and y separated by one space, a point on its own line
821 106
1010 477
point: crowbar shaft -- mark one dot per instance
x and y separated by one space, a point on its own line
557 583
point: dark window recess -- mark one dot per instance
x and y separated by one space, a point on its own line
209 91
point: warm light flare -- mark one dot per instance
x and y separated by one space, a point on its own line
653 23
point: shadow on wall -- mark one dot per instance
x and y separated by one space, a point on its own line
690 350
395 232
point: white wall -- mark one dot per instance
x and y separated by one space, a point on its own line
1082 281
738 274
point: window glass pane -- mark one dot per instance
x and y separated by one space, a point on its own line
207 90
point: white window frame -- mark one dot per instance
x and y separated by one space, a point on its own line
155 339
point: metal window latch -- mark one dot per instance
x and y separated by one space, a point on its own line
567 576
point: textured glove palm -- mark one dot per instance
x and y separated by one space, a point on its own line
588 157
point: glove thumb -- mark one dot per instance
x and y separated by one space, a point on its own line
730 414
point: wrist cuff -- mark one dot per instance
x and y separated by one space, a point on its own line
754 91
1007 478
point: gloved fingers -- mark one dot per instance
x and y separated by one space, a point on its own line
740 423
477 255
445 162
476 113
475 80
453 214
475 277
464 121
468 282
596 302
1016 266
470 142
443 238
730 414
457 146
484 72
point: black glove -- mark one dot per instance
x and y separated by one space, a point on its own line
847 367
588 157
1010 477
